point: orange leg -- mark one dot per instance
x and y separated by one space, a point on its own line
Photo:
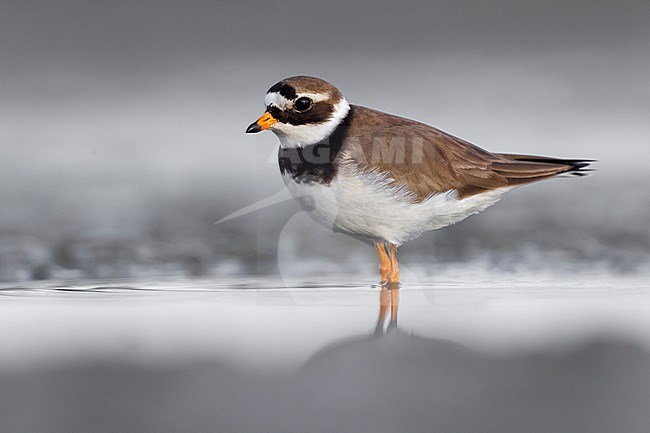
384 262
393 276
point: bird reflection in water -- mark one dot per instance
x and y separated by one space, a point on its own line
388 300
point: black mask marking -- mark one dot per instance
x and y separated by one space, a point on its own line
320 112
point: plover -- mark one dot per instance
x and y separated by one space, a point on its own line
385 178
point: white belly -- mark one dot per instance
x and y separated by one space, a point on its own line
367 205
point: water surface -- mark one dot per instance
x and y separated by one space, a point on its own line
260 354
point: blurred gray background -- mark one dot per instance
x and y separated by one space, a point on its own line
122 143
122 129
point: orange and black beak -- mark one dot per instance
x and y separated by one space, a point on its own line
264 122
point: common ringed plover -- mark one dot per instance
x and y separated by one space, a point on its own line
382 177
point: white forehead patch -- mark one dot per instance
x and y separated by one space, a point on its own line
274 98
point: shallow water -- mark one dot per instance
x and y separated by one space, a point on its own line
261 354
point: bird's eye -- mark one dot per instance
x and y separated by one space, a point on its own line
303 104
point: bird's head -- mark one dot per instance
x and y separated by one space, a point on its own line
301 111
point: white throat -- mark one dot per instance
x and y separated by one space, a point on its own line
292 136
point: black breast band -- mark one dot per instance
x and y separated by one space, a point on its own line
315 163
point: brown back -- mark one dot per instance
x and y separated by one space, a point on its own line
429 161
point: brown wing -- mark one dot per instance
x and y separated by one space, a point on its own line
429 161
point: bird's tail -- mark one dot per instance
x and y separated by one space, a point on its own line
521 169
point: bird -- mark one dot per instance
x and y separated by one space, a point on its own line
383 178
